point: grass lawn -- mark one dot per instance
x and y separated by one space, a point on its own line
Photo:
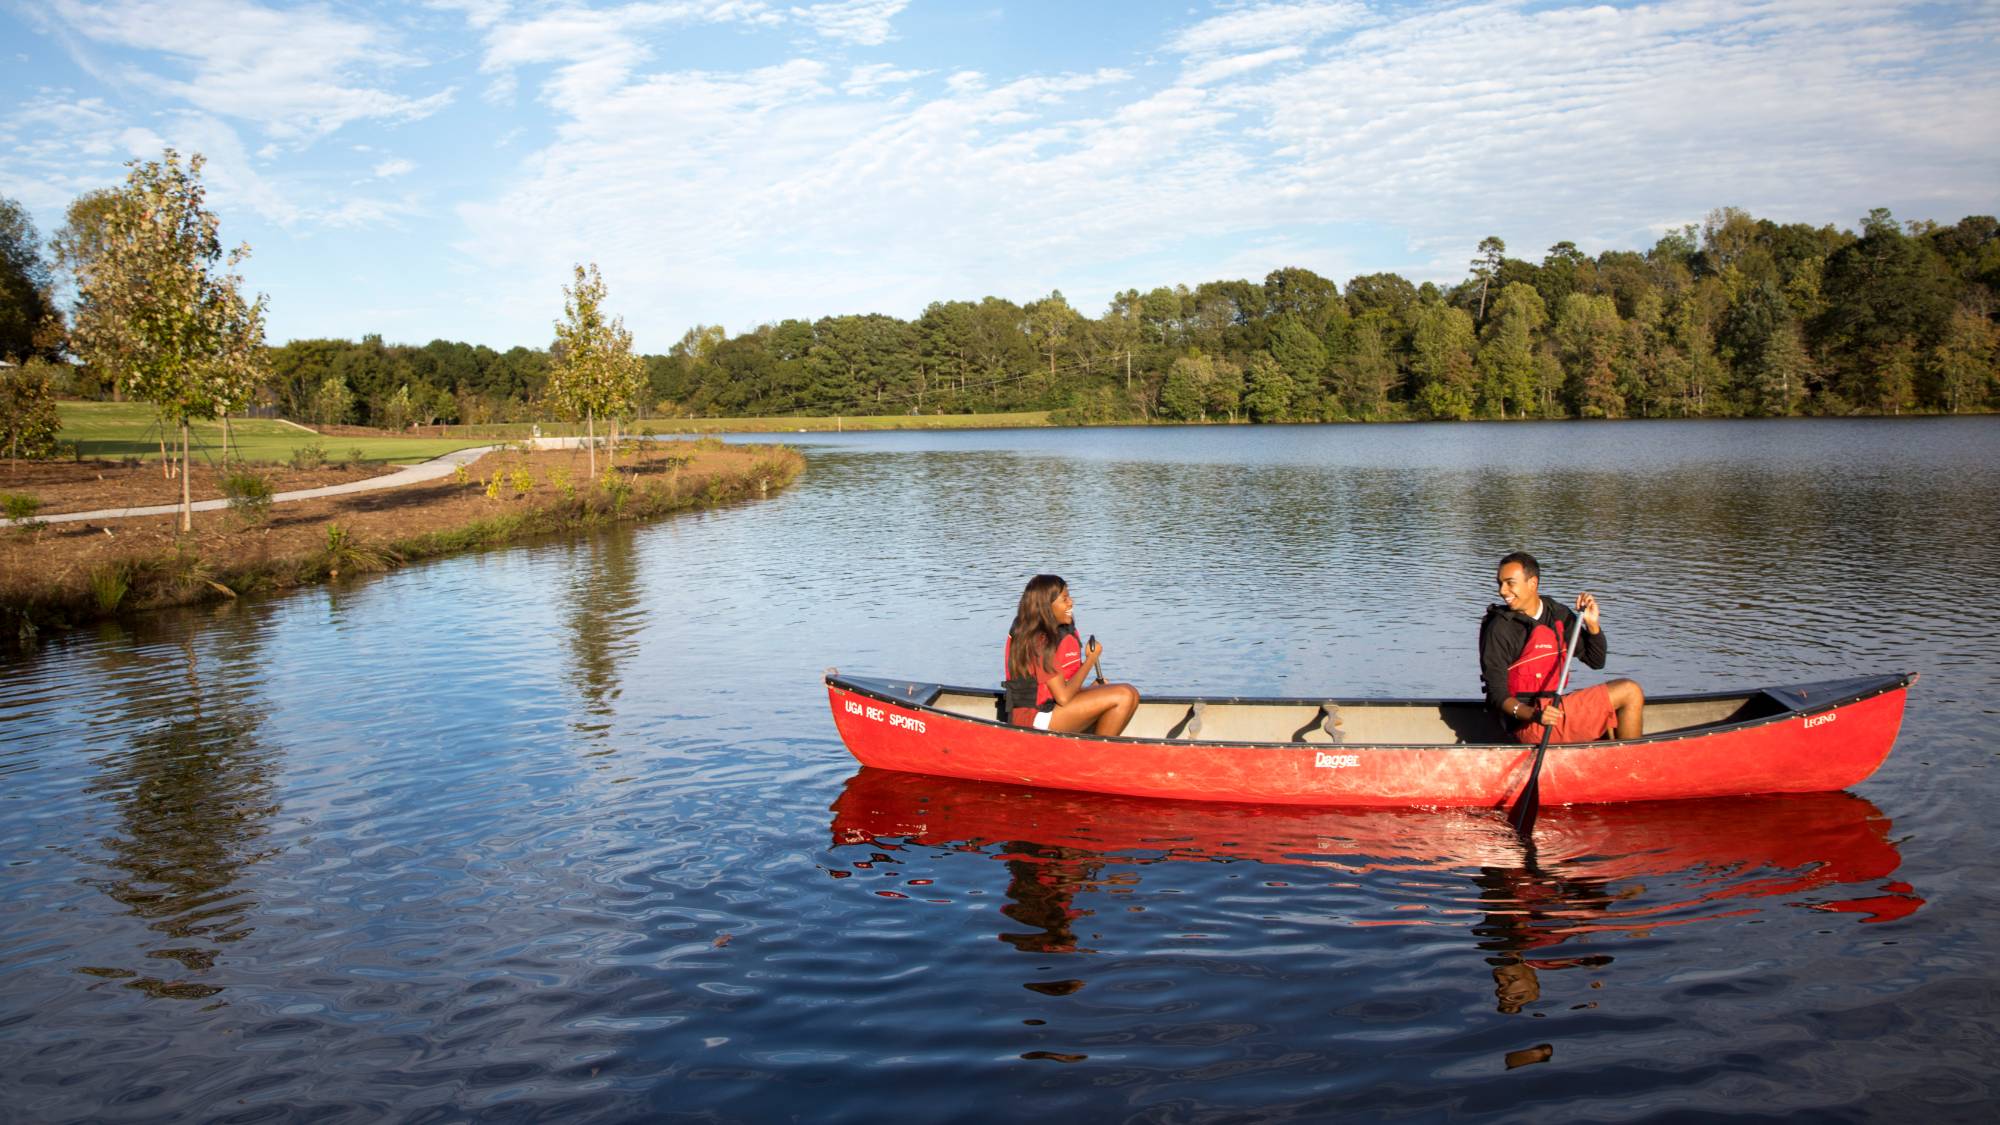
127 429
778 425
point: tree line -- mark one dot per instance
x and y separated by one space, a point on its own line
1733 316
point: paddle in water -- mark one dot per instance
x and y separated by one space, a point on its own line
1522 815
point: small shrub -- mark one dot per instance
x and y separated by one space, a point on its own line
559 476
309 456
249 495
460 474
108 585
523 481
355 457
493 487
19 507
616 488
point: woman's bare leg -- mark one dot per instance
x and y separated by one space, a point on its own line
1104 709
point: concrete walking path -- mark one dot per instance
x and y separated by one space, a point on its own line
408 474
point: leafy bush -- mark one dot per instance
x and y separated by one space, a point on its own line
309 456
249 495
28 421
18 506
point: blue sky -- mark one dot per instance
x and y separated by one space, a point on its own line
434 169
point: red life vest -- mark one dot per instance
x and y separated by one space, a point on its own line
1068 657
1533 674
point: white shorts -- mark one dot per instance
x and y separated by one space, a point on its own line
1042 719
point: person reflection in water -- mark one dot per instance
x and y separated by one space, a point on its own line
1522 897
1046 667
1042 882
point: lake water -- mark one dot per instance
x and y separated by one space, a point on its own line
564 831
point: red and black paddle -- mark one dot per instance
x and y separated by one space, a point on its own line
1528 804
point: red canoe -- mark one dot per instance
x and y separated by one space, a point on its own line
1804 739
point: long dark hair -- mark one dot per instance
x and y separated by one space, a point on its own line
1033 635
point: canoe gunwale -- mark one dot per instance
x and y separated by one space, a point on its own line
924 694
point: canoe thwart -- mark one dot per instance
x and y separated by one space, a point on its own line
1326 720
1190 724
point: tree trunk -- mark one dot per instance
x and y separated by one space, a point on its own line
590 439
187 499
225 438
166 463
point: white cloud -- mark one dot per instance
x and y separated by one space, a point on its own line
865 23
478 13
1229 66
872 77
1265 25
396 166
299 73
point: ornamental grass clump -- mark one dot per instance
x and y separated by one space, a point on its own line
109 585
249 496
346 551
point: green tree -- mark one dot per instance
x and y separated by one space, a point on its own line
1050 323
595 373
332 403
1963 362
1269 389
1486 267
1185 394
28 418
1507 352
1443 365
1587 334
27 304
157 308
1783 370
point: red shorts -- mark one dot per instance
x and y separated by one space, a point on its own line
1587 717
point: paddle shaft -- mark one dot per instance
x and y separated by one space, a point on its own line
1522 816
1100 664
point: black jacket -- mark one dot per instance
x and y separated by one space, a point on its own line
1504 633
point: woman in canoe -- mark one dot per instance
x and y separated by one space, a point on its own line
1046 666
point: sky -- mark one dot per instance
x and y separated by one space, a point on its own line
436 169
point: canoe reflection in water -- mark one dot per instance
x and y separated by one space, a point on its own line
1584 875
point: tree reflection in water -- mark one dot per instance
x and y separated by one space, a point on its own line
194 793
601 609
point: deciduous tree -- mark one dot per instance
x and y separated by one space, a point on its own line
595 373
157 307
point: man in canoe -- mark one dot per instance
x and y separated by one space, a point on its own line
1522 645
1046 668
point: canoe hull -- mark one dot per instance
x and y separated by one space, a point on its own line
1835 741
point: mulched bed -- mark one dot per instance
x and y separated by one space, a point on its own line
89 486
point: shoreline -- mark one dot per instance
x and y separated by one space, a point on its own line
64 576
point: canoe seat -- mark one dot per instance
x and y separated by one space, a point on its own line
1326 721
1190 724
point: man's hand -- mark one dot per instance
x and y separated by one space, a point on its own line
1586 608
1551 714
